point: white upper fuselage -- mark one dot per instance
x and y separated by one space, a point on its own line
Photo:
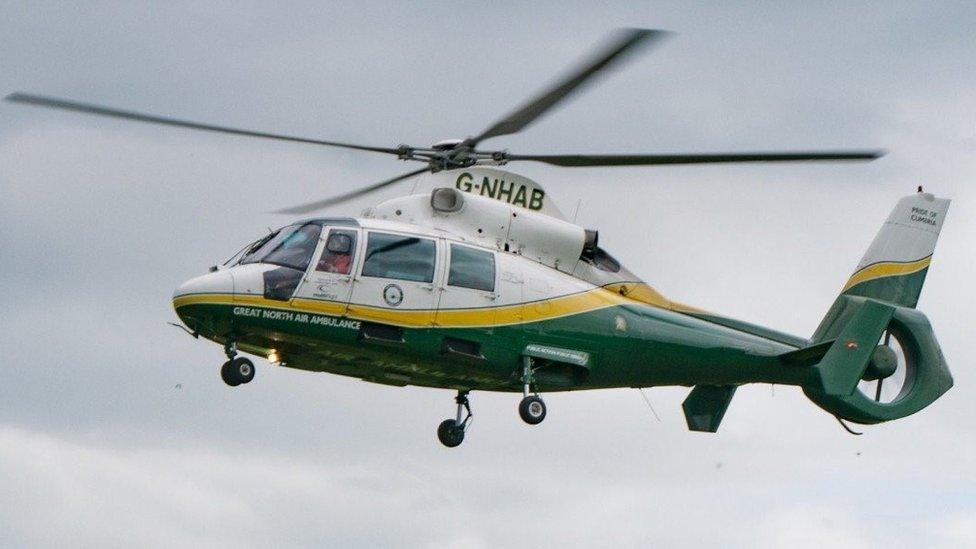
512 254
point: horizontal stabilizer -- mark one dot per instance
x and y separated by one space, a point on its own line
806 356
844 363
706 405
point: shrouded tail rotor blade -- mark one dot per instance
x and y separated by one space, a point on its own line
319 204
584 160
68 105
625 43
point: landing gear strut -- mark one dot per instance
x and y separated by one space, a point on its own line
451 431
531 409
237 370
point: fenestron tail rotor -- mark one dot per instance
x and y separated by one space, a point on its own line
890 372
462 153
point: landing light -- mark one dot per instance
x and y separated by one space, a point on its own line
273 357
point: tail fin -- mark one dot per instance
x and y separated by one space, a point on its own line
895 265
876 305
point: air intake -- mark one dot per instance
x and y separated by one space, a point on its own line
446 200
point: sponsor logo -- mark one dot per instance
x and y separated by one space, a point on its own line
326 291
578 358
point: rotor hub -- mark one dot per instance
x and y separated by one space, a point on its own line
447 144
883 364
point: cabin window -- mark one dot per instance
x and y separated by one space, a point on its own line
472 268
401 257
291 247
338 252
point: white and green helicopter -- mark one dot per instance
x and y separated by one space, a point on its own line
476 281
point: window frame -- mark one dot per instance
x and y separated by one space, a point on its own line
361 270
327 232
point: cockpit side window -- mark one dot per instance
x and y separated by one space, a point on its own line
338 253
471 268
401 257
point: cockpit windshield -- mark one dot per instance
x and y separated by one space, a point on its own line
291 247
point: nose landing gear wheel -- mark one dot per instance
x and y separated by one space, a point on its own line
532 410
237 371
450 433
227 376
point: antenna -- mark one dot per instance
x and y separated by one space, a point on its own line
641 389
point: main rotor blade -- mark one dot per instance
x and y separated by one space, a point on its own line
68 105
584 160
319 204
625 43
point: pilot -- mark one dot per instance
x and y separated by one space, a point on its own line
337 257
333 262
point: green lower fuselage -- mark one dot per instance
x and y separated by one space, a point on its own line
630 345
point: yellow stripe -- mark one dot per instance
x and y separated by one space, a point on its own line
641 292
887 268
591 300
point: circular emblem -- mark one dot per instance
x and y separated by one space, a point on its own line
392 295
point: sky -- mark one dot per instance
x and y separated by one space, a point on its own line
116 430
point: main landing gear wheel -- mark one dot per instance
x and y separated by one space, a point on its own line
236 371
532 410
451 431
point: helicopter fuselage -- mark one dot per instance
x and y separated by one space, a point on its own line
412 303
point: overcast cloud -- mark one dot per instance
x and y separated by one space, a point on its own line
116 430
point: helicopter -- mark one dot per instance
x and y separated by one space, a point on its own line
476 281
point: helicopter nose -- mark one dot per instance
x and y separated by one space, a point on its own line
210 285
